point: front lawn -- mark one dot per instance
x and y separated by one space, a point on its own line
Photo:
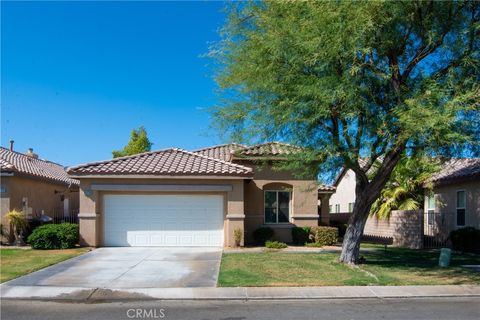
396 266
18 262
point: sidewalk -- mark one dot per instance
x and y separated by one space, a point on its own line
249 293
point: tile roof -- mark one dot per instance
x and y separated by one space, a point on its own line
175 162
457 169
11 161
325 187
222 152
267 150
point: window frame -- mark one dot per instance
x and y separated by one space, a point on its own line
464 208
350 207
337 206
430 210
289 207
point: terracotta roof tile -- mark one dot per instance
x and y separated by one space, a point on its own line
268 150
163 162
325 187
222 152
457 169
11 161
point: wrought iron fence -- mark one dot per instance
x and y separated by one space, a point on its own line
436 228
59 215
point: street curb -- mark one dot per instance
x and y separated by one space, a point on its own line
240 293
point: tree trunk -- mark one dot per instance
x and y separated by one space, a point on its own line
351 241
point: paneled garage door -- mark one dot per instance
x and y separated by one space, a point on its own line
163 220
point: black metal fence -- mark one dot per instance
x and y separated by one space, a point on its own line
436 228
59 215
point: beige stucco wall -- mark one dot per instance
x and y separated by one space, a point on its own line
91 211
304 202
40 196
446 200
345 192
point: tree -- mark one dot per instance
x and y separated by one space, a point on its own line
138 143
18 224
405 190
350 80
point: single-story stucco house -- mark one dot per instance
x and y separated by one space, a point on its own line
175 197
455 199
35 186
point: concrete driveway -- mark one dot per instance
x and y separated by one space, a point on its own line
137 267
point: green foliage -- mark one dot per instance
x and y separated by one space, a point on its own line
466 239
325 236
314 244
405 190
138 143
237 236
300 236
342 227
262 234
350 80
54 236
18 223
275 244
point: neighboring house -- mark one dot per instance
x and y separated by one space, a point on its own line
35 186
343 199
455 200
175 197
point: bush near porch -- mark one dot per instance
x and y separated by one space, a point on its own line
396 266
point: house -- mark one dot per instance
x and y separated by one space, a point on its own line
35 186
455 199
175 197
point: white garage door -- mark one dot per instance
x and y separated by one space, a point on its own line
163 220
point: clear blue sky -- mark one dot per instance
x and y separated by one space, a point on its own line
77 77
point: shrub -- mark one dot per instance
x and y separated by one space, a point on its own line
54 236
275 245
342 227
325 236
313 244
262 234
300 236
466 239
237 236
19 224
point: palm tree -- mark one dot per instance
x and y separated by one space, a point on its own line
407 185
18 224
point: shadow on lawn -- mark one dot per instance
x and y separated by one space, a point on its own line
398 257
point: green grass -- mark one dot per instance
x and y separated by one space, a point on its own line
18 262
395 267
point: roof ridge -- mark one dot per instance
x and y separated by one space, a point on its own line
118 158
270 142
215 159
138 155
32 158
221 145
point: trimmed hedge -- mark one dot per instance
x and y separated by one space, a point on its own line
342 227
325 236
261 235
54 236
300 236
466 239
275 244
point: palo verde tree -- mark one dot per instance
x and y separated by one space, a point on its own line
138 143
352 80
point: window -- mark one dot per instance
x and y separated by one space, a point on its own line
277 207
430 209
350 207
461 205
337 208
330 209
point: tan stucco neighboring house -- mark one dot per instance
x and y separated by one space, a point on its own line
455 200
175 197
34 186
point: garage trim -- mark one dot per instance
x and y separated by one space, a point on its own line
163 187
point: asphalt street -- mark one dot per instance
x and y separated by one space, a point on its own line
338 309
